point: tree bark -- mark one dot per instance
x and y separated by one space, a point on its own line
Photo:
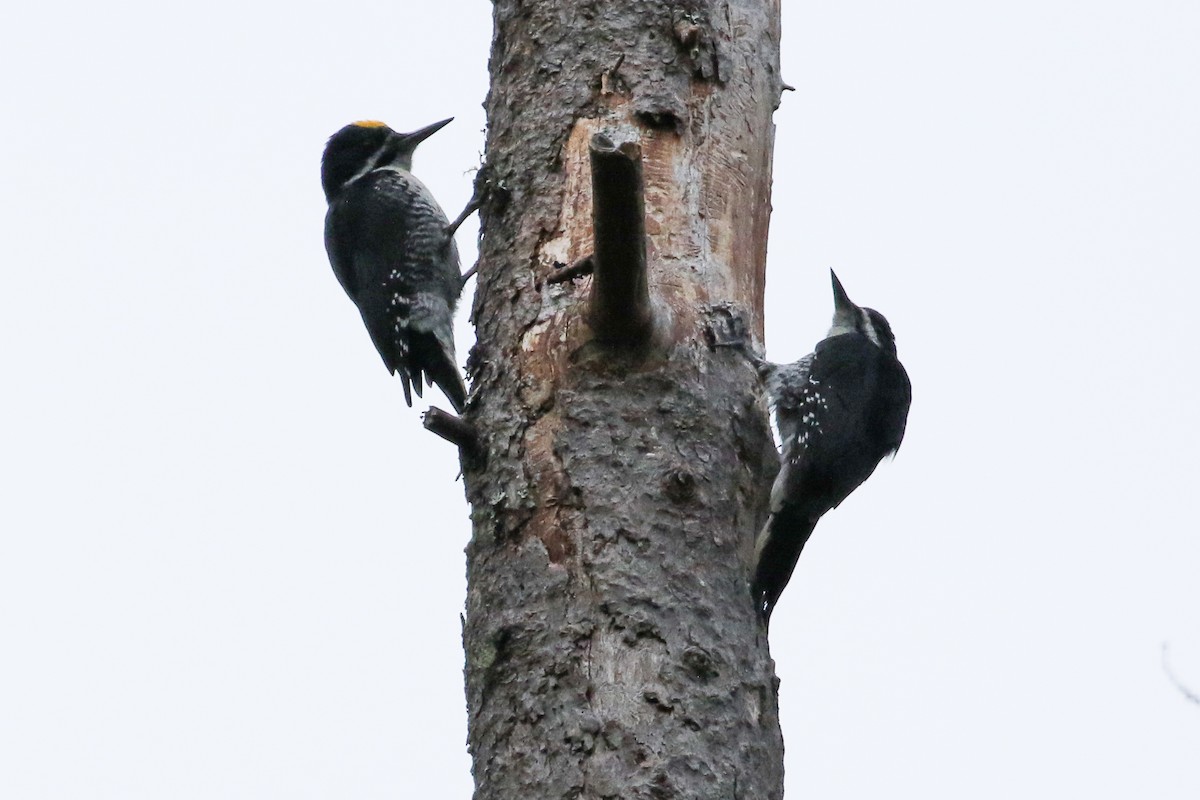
616 487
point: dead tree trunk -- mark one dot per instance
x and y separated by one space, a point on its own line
620 465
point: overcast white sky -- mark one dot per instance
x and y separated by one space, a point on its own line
231 560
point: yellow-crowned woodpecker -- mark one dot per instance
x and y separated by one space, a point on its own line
839 411
388 242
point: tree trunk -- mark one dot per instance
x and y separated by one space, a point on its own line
622 469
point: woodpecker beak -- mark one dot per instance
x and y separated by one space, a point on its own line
844 309
840 299
416 137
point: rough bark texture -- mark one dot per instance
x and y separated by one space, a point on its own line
612 648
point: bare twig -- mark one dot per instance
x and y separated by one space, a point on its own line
620 310
1166 664
583 266
453 429
608 78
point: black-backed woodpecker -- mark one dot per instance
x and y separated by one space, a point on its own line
388 244
839 411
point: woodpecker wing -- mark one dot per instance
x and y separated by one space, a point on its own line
853 413
387 242
785 388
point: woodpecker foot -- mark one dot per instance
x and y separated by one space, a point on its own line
485 189
727 327
584 266
474 205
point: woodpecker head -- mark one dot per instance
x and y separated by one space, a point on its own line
849 318
361 147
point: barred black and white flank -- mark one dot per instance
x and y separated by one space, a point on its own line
839 411
388 244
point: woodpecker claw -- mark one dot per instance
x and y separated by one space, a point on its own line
474 205
727 328
482 192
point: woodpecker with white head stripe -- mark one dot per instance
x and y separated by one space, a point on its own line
390 248
839 411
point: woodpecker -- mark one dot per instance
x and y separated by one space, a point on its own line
839 411
391 249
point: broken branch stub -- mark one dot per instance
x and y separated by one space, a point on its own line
620 311
453 429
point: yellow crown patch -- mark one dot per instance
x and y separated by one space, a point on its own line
370 123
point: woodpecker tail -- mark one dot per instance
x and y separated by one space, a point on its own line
776 553
428 358
442 370
424 337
